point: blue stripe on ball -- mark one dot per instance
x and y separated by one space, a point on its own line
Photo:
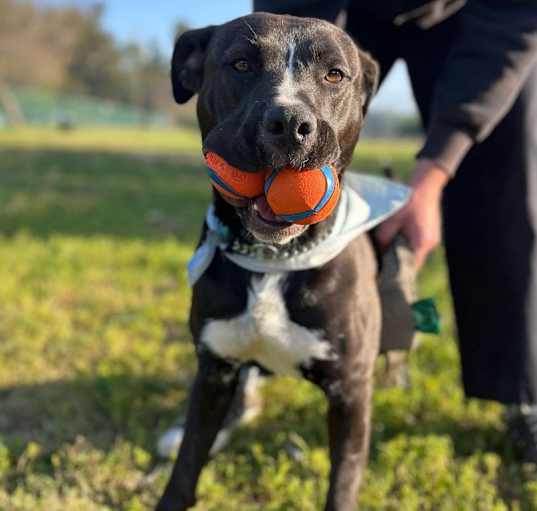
218 180
330 186
269 180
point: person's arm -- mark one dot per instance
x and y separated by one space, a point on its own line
483 75
419 221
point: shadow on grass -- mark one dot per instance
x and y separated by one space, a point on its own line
90 193
100 409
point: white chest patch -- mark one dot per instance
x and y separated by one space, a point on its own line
264 333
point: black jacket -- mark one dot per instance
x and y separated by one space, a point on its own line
485 71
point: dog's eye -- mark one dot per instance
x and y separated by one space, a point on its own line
241 66
334 76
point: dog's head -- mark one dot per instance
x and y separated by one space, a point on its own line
275 91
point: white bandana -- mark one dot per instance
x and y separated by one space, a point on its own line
365 202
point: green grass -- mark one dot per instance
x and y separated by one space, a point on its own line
96 227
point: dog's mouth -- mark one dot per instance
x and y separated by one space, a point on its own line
264 225
261 222
262 209
257 217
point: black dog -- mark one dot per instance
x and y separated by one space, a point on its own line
276 91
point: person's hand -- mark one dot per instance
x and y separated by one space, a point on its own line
419 220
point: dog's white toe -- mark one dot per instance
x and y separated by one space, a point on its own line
170 441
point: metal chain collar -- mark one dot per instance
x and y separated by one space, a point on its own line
275 253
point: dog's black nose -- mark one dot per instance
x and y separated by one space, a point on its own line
289 125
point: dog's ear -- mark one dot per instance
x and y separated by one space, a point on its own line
187 62
370 79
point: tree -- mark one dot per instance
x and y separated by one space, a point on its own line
67 49
94 67
180 28
35 44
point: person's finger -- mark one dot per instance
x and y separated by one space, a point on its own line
420 256
423 248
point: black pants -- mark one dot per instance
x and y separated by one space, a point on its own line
490 207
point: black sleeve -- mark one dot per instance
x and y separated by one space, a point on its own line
484 73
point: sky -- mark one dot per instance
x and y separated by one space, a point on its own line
149 21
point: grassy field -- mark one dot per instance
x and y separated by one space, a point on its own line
96 227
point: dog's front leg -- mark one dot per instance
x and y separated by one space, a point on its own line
210 399
349 414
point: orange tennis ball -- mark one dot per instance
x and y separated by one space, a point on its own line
302 196
232 181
